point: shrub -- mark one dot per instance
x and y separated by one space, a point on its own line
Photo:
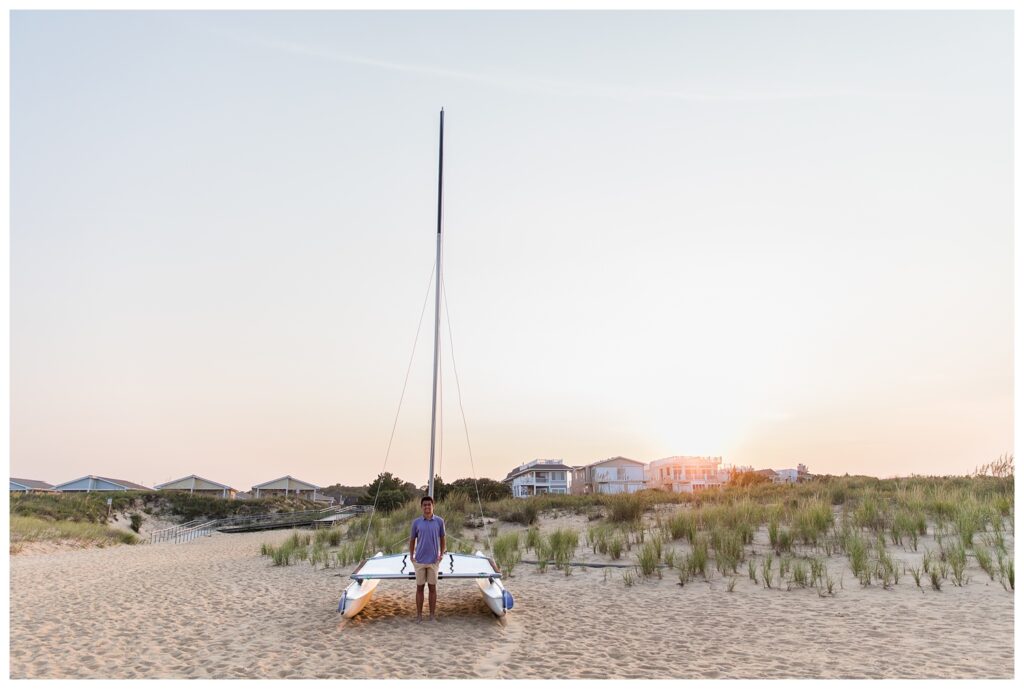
518 510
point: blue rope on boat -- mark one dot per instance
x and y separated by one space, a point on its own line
341 603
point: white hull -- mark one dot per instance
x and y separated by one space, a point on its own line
357 595
493 592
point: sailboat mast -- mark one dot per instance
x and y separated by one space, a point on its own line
437 308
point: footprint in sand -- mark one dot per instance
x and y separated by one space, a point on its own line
504 650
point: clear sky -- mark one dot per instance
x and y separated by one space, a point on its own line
777 237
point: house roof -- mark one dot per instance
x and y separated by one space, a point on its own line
305 483
32 484
537 467
611 459
116 481
126 484
198 478
766 472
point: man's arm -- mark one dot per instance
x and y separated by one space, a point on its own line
440 553
412 549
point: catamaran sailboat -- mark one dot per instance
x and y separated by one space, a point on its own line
372 570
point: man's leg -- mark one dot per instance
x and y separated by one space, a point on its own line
433 599
419 601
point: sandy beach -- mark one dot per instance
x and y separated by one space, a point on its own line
215 608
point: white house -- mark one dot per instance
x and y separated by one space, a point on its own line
27 485
537 477
791 475
687 474
286 485
198 485
614 475
98 484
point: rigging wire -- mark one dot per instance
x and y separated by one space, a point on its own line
405 384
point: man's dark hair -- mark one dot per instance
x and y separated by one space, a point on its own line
426 498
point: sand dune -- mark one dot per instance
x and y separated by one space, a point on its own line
214 608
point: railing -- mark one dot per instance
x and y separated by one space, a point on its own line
271 518
204 529
170 534
199 527
349 511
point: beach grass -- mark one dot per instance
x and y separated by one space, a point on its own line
80 534
507 553
697 561
806 524
766 571
728 546
532 540
1006 572
560 545
984 558
801 575
681 525
615 545
627 508
647 559
957 558
294 549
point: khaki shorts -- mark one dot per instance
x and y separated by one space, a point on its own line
426 573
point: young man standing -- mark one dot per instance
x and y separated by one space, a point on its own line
426 548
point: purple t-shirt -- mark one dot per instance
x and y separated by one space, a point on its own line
427 533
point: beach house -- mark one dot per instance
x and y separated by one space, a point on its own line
686 474
537 477
286 485
798 475
27 485
613 475
98 484
198 485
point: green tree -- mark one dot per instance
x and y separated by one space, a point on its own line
388 491
441 489
340 492
489 488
